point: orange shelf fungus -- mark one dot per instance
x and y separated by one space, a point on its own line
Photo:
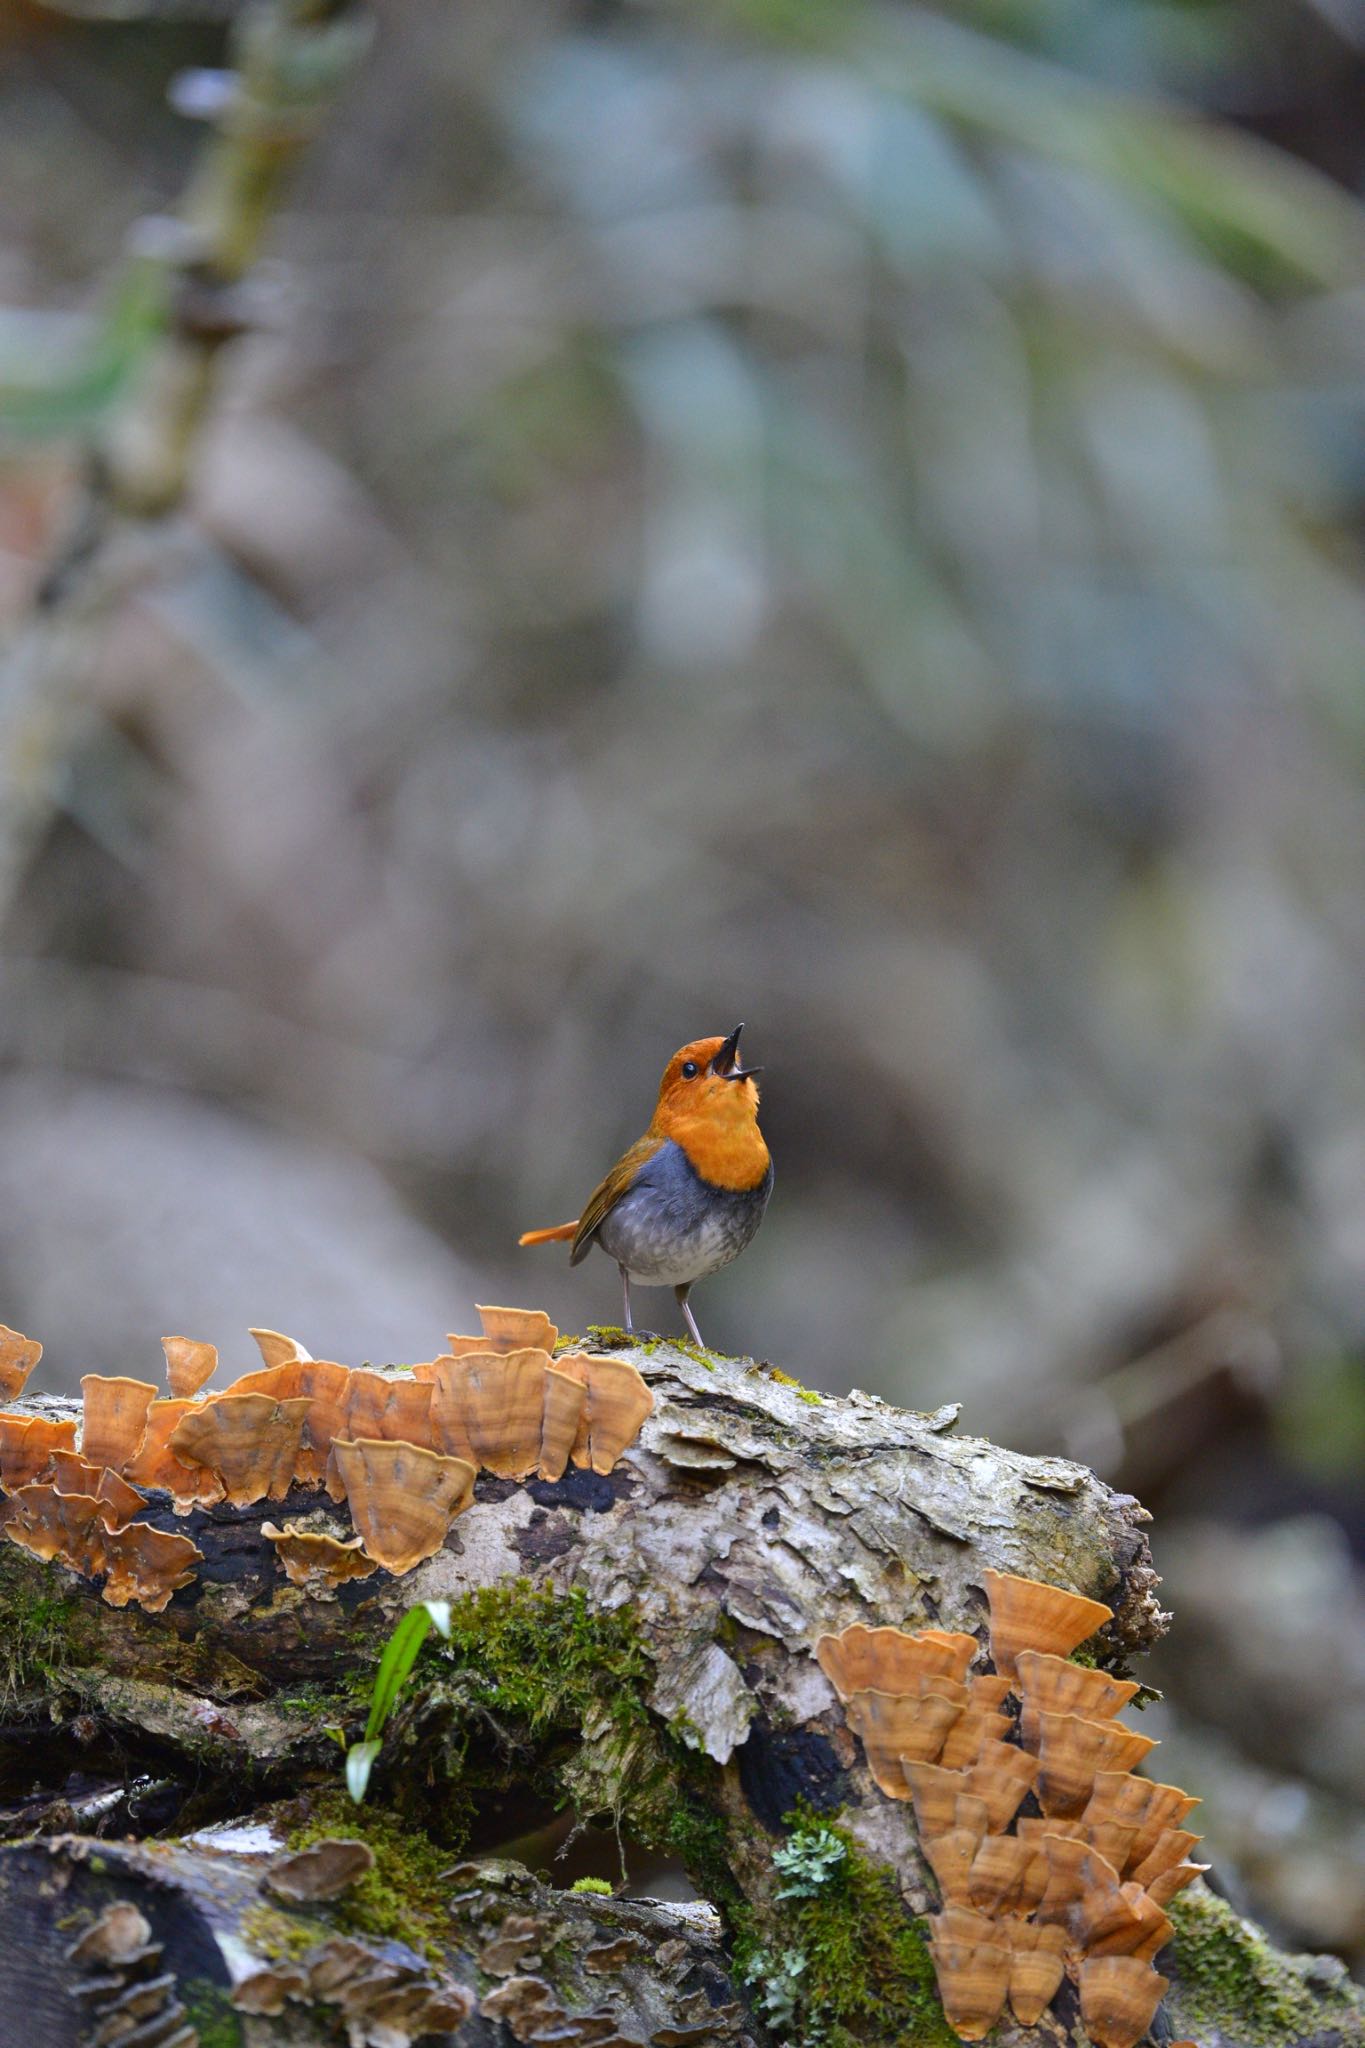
27 1444
1002 1775
1172 1846
561 1421
618 1405
18 1356
190 1365
147 1565
1037 1966
978 1728
517 1329
1026 1614
64 1526
402 1498
951 1857
1119 1998
115 1415
277 1349
155 1467
1072 1753
325 1386
250 1440
495 1402
317 1561
1140 1803
973 1982
1164 1888
896 1726
861 1659
1006 1876
1050 1684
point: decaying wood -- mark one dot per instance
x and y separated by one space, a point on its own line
747 1520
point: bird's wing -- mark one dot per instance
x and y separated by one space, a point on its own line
604 1198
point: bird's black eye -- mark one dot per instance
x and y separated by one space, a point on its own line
689 1070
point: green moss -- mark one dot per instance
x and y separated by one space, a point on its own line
41 1629
275 1934
598 1886
809 1395
208 2007
549 1659
1227 1976
843 1953
403 1898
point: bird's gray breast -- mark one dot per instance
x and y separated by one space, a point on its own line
673 1227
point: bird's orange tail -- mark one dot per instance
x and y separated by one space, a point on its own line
561 1234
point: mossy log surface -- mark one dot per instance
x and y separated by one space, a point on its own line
636 1646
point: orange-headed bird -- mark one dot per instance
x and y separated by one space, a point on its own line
688 1196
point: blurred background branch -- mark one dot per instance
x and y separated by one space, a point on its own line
847 516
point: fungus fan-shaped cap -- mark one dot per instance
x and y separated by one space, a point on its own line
1057 1686
950 1856
71 1473
66 1526
1007 1875
896 1727
386 1407
115 1415
494 1401
325 1386
154 1465
1140 1803
250 1440
1164 1888
27 1444
323 1871
1037 1966
1171 1846
978 1728
973 1982
1119 1998
277 1349
190 1365
860 1659
1142 1930
517 1329
562 1420
18 1356
935 1792
1073 1753
1068 1873
119 1501
1028 1614
1002 1775
965 1923
147 1565
617 1407
317 1561
402 1498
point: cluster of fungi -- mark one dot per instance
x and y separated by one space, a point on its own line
402 1449
1079 1887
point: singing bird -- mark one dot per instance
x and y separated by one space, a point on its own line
688 1196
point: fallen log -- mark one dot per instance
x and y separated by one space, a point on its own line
637 1645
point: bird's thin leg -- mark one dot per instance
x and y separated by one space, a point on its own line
628 1325
680 1296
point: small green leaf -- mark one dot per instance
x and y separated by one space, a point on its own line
359 1763
400 1654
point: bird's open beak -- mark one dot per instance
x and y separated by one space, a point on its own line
726 1062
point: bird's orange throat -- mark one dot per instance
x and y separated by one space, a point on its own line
717 1127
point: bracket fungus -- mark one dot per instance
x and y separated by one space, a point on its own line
250 1441
1081 1890
277 1349
493 1401
154 1465
861 1659
317 1561
27 1443
618 1405
1028 1615
18 1356
115 1415
190 1365
147 1565
326 1388
517 1329
402 1498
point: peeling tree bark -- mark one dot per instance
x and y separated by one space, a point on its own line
749 1519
